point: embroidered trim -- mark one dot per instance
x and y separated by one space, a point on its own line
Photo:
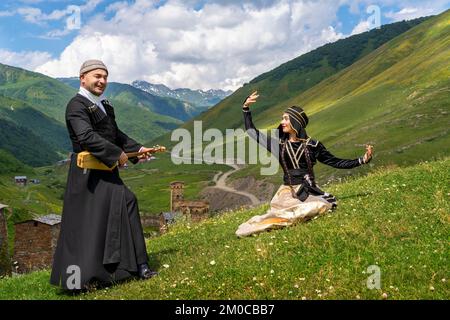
295 156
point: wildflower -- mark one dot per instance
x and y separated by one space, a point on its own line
302 279
303 298
271 271
296 286
384 295
431 288
165 266
212 262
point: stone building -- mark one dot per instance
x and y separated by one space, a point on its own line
197 209
5 262
35 242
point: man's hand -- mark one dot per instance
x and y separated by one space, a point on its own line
368 155
123 159
145 156
251 99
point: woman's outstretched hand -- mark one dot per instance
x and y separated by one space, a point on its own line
368 155
251 99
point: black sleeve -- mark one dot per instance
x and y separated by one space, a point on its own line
78 118
324 156
269 143
128 144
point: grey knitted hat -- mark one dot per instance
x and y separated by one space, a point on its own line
90 65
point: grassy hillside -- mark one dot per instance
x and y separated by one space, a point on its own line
10 165
396 219
21 114
24 145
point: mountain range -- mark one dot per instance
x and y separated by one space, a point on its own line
199 98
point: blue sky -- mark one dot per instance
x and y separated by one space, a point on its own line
197 44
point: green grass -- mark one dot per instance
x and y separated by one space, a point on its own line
395 218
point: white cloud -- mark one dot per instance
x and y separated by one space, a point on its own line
7 13
25 59
217 46
71 13
412 9
409 13
220 45
361 27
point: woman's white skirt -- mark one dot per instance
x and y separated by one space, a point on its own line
285 210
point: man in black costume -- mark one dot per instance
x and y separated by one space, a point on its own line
101 238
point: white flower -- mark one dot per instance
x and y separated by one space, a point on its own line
165 266
271 271
212 262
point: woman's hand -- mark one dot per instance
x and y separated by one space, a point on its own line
368 155
251 99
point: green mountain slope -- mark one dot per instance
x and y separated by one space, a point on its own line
26 146
10 165
394 219
53 132
46 94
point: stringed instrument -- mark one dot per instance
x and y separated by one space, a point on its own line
85 160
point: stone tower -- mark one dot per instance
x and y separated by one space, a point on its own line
176 193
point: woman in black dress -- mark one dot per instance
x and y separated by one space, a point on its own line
299 197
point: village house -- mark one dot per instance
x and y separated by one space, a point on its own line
35 243
20 180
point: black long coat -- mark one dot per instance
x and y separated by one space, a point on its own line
95 233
